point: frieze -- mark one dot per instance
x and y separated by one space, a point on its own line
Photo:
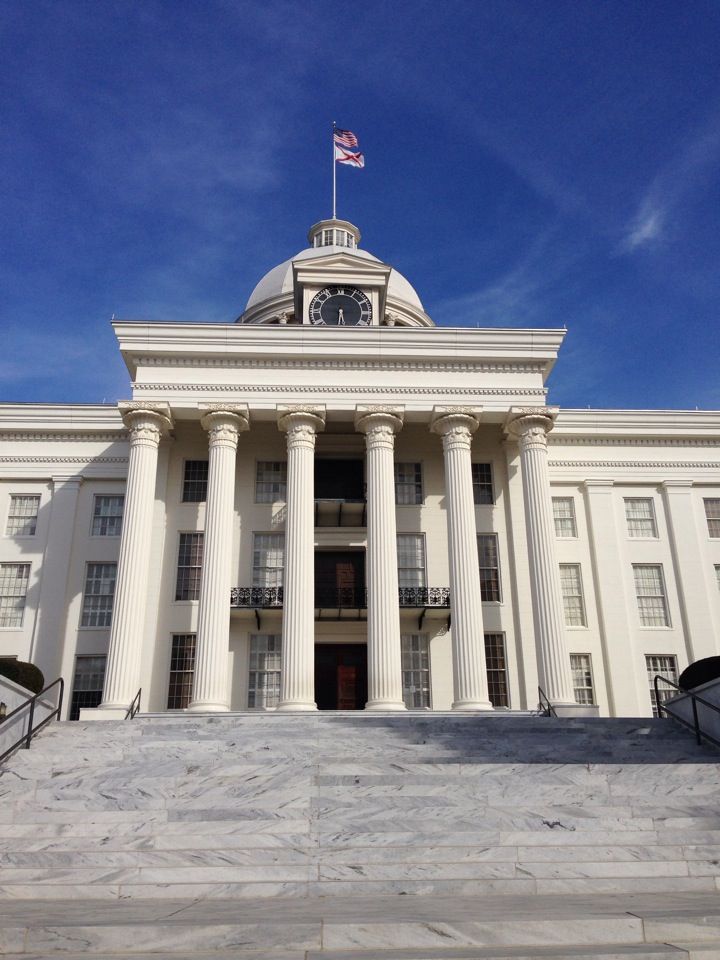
344 388
463 366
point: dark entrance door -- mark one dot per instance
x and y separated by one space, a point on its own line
341 676
339 579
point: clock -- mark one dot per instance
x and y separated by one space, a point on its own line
341 307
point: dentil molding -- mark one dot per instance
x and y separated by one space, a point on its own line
463 366
340 389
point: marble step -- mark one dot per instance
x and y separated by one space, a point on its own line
378 928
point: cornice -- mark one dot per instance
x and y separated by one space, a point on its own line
456 366
63 459
45 437
634 441
638 464
338 389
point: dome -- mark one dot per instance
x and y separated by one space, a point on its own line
278 282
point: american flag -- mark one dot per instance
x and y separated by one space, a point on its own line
345 138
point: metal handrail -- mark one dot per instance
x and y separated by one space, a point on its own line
544 705
134 709
695 700
24 741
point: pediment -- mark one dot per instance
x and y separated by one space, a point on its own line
341 267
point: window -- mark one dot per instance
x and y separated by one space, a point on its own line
408 483
650 590
189 569
107 516
482 483
572 593
98 596
717 574
712 512
496 666
666 667
564 516
270 481
22 516
268 559
411 560
489 566
195 481
14 579
182 668
581 667
264 677
87 684
640 516
415 670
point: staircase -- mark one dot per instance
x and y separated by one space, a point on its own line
361 837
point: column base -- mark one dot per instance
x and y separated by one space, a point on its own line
473 706
206 706
102 713
576 709
385 705
293 706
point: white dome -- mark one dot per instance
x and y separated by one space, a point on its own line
279 280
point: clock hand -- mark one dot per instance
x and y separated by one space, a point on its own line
341 318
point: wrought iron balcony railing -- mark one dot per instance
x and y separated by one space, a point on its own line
424 596
256 597
330 595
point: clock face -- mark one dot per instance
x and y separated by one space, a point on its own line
341 307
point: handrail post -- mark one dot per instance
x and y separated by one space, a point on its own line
698 735
31 717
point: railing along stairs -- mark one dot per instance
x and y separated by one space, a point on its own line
33 728
695 699
545 708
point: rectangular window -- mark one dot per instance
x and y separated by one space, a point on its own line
408 483
489 566
496 666
189 568
271 481
712 512
22 516
195 480
650 590
182 668
572 593
98 595
268 559
14 578
482 483
564 516
581 667
411 560
416 670
640 516
666 667
87 684
264 676
717 574
107 516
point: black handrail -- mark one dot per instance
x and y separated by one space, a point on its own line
544 705
134 709
695 700
24 740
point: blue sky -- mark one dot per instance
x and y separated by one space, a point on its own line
528 164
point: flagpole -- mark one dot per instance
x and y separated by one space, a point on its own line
334 174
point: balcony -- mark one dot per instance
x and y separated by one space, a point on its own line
333 602
339 493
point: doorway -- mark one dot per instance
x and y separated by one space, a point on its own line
339 579
341 676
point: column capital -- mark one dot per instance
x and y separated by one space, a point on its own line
530 425
148 422
301 423
598 484
379 423
676 484
67 479
455 425
224 422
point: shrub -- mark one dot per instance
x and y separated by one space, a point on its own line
26 674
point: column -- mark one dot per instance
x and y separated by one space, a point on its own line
50 623
224 424
297 678
531 427
384 653
694 570
456 428
122 676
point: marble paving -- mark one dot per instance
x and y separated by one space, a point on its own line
338 835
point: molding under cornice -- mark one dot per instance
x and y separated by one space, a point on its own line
340 389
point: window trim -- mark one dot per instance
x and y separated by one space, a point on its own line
36 517
423 638
493 498
180 534
185 462
254 635
581 595
256 499
418 485
573 517
668 619
504 672
421 536
253 568
652 519
97 563
191 671
18 563
709 520
651 685
494 535
93 517
592 688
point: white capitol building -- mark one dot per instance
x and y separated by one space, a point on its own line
332 503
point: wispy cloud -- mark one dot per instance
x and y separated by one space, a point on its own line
659 206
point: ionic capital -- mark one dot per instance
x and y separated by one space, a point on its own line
224 423
379 424
301 423
455 425
531 425
146 424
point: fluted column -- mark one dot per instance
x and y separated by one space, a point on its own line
384 654
531 427
127 634
297 678
468 638
210 685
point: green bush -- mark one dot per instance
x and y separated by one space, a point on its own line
26 674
